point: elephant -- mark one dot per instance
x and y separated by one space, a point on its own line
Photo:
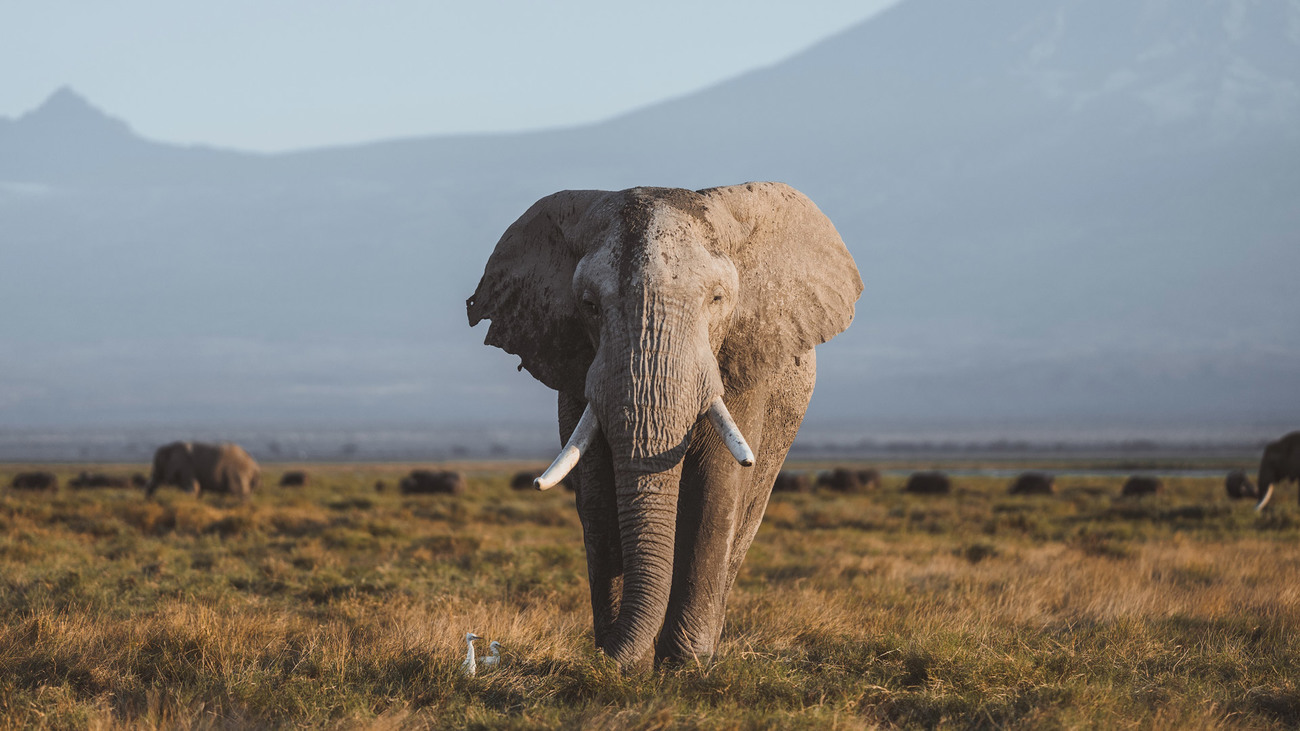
678 328
1139 485
869 478
791 482
430 482
98 479
198 466
1032 483
1280 463
841 479
35 481
293 478
928 483
1238 486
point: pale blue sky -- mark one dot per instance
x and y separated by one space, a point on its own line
287 74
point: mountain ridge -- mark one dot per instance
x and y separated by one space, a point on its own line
1056 225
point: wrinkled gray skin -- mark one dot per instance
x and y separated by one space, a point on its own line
646 304
1280 463
196 466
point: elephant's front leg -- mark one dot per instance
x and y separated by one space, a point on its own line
721 507
594 487
708 520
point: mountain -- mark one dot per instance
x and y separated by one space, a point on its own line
1063 211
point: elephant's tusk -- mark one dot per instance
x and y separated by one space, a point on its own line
730 433
572 452
1263 501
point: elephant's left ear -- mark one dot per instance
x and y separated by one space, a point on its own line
798 282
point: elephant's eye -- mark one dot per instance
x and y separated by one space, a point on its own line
589 305
717 296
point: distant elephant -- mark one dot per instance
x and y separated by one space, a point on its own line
35 481
839 479
97 479
928 483
430 482
869 479
293 478
1280 463
842 479
678 327
791 482
1238 486
1139 485
198 466
523 480
1032 483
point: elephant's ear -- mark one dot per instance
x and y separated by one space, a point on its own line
798 282
527 291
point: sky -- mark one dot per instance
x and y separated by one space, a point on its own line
293 74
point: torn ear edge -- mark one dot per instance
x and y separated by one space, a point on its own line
526 291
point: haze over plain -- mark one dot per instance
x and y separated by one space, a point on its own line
1064 212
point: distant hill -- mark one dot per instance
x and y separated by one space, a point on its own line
1062 210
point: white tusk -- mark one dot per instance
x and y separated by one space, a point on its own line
1263 502
730 433
572 452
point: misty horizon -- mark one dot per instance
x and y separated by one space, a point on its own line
1060 237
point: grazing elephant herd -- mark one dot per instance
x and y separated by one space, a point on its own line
1280 463
845 480
226 468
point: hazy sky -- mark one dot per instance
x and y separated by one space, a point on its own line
288 74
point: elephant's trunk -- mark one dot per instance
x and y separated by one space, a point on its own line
647 426
647 516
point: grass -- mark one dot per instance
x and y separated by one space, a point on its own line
336 606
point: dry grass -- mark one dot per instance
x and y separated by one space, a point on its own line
335 606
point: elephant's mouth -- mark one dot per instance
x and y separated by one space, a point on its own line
588 426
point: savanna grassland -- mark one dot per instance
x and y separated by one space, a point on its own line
337 606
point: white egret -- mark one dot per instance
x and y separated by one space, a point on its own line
470 666
493 659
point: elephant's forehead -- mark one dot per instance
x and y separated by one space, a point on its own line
663 237
651 242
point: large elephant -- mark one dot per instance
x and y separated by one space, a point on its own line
678 328
196 466
1280 463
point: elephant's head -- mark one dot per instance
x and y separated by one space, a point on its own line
1280 463
652 304
173 464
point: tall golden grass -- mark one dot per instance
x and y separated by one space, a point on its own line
335 606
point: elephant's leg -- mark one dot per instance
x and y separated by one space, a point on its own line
594 487
708 521
718 518
786 404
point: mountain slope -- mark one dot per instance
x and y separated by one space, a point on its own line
1061 209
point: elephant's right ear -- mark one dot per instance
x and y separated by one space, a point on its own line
527 291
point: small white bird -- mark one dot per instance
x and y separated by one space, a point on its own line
470 666
494 659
